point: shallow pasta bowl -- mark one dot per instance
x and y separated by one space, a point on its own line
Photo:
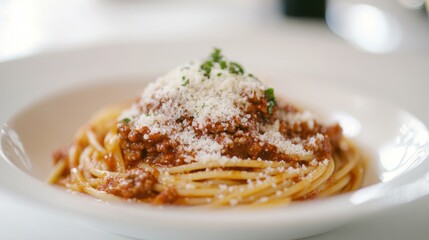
395 142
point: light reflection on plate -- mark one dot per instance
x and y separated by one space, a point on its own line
351 126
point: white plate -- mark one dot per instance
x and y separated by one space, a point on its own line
396 142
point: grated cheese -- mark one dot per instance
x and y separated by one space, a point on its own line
220 99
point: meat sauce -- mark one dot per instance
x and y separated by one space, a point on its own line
159 150
203 112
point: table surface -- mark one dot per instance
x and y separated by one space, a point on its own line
53 28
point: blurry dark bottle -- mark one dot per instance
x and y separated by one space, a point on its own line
304 8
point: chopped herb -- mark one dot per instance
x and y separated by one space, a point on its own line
269 94
222 65
126 120
235 68
216 55
147 114
204 104
250 75
219 74
207 68
270 106
185 81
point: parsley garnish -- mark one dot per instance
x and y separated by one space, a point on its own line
235 68
207 68
269 94
185 81
270 106
216 56
126 120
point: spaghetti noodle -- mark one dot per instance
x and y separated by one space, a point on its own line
208 133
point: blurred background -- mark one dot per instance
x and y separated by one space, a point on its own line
375 26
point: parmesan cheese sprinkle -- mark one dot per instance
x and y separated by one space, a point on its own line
191 98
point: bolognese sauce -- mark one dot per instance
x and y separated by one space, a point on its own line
210 133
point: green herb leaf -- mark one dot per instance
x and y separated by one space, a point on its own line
126 120
235 68
206 67
270 106
222 65
185 81
269 94
216 55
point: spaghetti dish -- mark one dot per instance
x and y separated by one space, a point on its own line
208 133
